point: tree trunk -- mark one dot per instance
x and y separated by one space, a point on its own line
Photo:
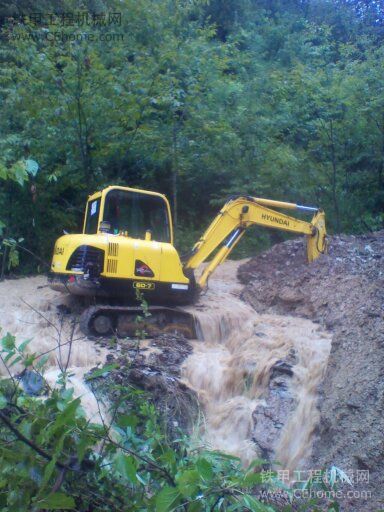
83 131
334 180
3 263
381 164
174 172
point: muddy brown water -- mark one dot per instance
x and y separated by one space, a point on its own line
229 370
29 311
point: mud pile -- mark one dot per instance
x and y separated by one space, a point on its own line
344 292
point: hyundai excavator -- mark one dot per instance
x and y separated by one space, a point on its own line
126 251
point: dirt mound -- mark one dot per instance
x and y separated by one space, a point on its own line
344 292
155 369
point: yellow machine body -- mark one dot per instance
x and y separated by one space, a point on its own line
125 263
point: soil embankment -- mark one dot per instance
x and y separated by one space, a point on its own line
343 292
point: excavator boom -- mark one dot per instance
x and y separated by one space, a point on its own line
240 213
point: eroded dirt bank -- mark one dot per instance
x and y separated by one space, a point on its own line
344 293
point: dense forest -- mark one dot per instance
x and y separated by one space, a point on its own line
196 99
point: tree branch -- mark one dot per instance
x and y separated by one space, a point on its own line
31 444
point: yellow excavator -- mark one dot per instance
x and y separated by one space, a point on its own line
126 251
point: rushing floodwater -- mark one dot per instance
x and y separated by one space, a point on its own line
230 369
29 311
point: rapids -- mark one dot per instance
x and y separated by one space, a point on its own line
230 370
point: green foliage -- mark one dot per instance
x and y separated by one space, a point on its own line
197 100
101 372
9 252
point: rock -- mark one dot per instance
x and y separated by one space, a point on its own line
270 417
64 309
369 249
158 375
32 382
281 367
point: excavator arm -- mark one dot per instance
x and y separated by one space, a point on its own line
240 213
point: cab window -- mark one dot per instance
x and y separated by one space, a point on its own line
136 213
91 224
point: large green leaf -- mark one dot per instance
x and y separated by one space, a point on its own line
255 505
31 166
167 499
126 465
205 469
57 501
188 482
8 341
3 401
101 372
23 345
65 418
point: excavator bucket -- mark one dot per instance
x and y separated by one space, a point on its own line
317 242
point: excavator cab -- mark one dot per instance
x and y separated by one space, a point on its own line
125 212
126 245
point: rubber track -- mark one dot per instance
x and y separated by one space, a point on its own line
88 315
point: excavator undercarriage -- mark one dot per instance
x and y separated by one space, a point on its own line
130 321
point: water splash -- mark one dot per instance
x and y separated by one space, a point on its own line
31 310
231 371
